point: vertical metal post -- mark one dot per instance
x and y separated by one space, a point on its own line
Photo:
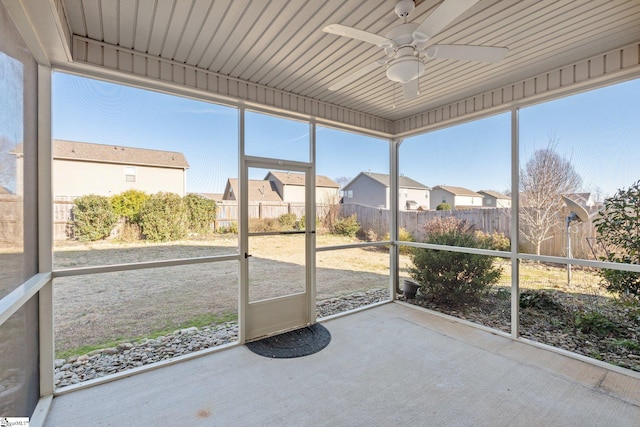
394 145
515 222
45 232
243 231
310 225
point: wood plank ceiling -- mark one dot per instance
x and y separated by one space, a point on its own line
280 43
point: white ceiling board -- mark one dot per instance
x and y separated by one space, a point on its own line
110 18
280 44
160 28
92 14
177 27
126 33
144 14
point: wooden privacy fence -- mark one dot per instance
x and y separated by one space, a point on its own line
227 211
62 218
226 214
488 220
11 220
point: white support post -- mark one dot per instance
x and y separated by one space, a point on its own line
394 146
515 221
310 225
243 230
45 232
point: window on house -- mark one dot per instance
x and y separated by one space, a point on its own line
350 194
130 174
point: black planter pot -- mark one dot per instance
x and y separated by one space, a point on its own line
409 289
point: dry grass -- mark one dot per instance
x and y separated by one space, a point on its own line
99 308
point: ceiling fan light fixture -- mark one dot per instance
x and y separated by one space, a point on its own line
403 70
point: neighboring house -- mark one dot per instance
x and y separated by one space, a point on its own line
259 190
372 189
493 199
285 187
216 197
291 187
457 197
81 168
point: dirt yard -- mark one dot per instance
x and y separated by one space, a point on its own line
91 310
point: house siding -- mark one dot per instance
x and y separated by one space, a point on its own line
438 195
418 195
368 192
293 193
468 201
326 195
74 178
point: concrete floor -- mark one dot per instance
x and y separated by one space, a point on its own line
387 366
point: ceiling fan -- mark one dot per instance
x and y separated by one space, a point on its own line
406 49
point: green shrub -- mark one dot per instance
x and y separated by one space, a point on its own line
164 218
628 344
288 221
540 300
232 228
596 323
403 236
128 204
201 213
496 241
618 228
443 207
302 224
93 218
453 278
348 226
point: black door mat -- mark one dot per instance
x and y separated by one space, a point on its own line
298 343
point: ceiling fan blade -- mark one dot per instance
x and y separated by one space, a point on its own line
440 18
467 52
365 36
411 89
356 75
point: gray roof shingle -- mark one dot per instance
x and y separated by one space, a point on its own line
292 178
403 181
458 191
74 150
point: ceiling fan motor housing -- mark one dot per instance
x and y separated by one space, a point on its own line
405 69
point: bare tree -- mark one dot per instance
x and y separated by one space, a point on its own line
342 181
545 178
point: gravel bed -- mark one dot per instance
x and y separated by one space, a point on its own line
99 363
106 361
619 348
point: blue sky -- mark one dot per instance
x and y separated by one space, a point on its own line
597 131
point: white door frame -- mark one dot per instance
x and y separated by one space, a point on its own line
275 315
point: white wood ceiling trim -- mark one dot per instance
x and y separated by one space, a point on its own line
609 67
223 88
